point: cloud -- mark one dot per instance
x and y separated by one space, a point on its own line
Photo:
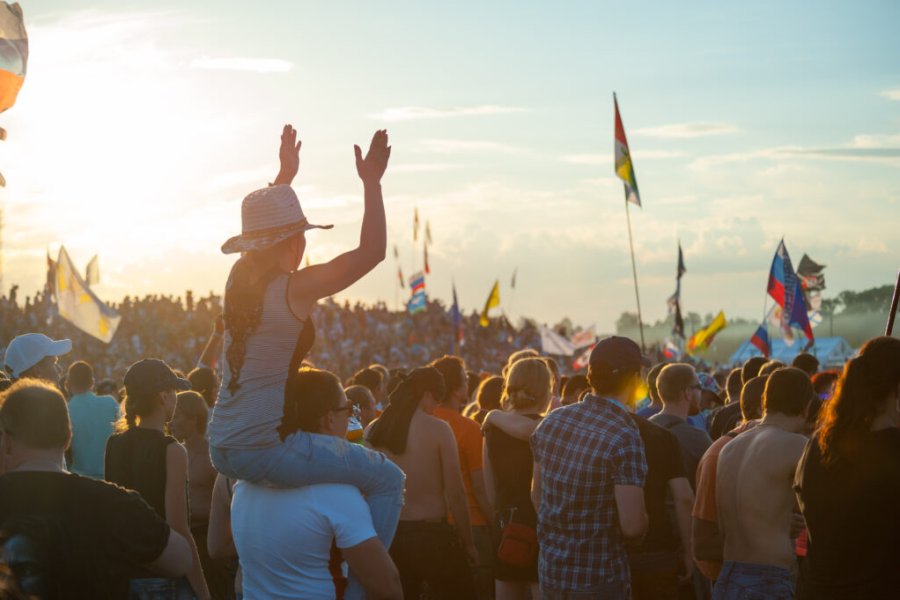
877 148
444 146
410 113
869 245
891 94
686 130
423 168
239 63
606 159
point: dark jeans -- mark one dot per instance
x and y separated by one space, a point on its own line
738 581
654 576
159 588
219 574
483 572
429 554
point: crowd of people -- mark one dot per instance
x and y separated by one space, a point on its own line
302 456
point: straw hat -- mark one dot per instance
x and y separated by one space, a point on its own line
269 216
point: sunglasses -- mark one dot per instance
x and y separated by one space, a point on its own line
349 409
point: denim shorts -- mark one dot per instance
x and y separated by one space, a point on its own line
746 581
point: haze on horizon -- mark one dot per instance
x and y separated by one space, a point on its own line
138 132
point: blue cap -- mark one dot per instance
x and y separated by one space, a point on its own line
617 353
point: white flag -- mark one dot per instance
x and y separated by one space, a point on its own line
92 273
584 338
553 343
78 305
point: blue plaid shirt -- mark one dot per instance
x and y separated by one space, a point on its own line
584 450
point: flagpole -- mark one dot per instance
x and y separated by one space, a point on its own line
637 294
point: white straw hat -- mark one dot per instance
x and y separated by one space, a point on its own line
269 216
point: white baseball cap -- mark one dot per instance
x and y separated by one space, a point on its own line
27 350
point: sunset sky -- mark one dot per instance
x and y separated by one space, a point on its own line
142 125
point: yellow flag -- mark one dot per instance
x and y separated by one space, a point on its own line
701 340
492 301
79 305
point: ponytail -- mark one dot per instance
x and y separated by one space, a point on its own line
244 294
134 406
391 429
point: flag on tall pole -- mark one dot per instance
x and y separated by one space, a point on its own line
418 299
400 277
624 165
624 169
416 224
427 268
79 305
784 287
493 300
512 283
674 300
427 232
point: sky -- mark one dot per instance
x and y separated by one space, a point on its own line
141 126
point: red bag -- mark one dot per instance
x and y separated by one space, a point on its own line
518 546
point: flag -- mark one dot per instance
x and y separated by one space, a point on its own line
671 350
307 261
417 282
417 302
427 232
427 268
79 305
674 300
583 359
458 332
760 339
492 301
553 343
92 272
624 167
512 283
396 254
400 278
701 340
785 289
415 224
51 274
13 53
585 337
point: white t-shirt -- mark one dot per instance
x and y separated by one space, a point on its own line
283 536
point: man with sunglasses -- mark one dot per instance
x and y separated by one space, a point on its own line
680 390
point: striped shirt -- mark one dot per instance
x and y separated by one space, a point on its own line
249 418
584 451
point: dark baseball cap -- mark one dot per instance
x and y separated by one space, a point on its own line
151 375
617 353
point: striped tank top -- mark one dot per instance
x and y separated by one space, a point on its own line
249 418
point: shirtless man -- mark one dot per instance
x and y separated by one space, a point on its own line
754 493
426 548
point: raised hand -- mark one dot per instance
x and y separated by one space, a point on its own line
288 155
372 167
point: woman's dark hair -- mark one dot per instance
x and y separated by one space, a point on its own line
134 406
824 381
489 392
244 294
574 386
391 429
369 378
859 397
308 396
453 370
205 382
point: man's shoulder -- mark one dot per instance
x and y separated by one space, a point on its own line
76 490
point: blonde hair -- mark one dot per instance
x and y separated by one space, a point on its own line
527 385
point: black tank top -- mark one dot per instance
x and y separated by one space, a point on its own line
136 459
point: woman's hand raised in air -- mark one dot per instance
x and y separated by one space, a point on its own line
288 155
372 167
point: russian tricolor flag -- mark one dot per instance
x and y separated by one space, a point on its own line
760 339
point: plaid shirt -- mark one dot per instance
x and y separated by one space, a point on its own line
584 450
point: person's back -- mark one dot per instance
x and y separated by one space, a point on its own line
754 500
93 418
754 492
64 535
267 524
848 483
425 494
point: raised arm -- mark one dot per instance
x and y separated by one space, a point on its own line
213 349
319 281
511 424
